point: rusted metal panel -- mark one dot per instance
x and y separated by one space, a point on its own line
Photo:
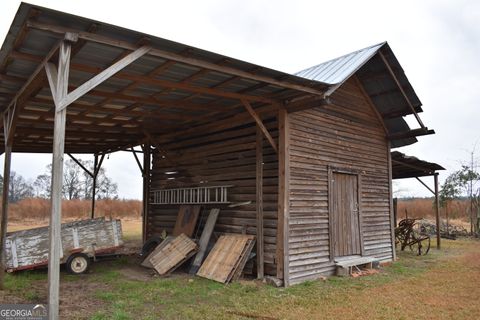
29 248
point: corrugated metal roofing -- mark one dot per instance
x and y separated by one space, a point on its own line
374 76
404 166
337 70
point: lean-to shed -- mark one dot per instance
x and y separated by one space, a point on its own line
305 158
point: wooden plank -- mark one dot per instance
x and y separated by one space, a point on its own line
204 240
390 201
437 208
147 164
259 203
55 251
260 124
177 57
146 262
4 219
221 263
186 220
243 260
283 196
102 76
173 254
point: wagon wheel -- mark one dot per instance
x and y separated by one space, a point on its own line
420 245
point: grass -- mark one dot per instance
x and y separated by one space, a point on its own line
442 285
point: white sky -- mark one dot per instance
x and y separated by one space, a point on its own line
436 42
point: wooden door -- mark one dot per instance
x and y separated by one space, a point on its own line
345 215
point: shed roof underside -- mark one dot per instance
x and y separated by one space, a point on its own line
154 96
404 166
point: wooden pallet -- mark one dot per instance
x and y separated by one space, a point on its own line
146 262
228 257
173 254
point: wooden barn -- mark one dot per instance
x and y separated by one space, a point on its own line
300 161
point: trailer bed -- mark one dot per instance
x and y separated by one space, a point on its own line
28 249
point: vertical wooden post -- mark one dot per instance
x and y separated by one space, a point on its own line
437 208
94 184
259 203
4 220
283 197
395 211
390 196
55 251
146 188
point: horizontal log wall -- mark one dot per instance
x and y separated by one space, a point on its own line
347 135
220 157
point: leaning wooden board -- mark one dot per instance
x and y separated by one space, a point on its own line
227 257
173 254
27 249
186 220
146 262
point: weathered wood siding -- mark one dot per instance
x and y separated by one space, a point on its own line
348 135
225 156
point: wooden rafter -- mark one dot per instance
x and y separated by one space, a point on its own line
260 124
176 57
156 82
401 90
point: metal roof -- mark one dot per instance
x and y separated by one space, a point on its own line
374 76
404 166
159 94
338 70
155 94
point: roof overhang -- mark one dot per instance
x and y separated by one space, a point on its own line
383 80
172 88
404 166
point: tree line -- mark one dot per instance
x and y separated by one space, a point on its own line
77 183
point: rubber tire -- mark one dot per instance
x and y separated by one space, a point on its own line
150 245
70 261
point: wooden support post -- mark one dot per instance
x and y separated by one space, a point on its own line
390 196
146 187
4 220
94 184
96 169
59 87
259 204
395 211
437 208
282 252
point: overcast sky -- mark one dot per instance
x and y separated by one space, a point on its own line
436 42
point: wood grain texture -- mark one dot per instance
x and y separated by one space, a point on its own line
204 240
186 220
224 153
226 258
173 254
346 135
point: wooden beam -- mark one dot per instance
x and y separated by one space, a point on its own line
401 89
4 219
371 104
103 76
259 202
425 185
179 58
81 165
282 251
163 83
138 161
147 160
411 134
437 209
16 101
55 250
390 202
260 124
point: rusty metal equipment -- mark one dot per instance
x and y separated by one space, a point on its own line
409 234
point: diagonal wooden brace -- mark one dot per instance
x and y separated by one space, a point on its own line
259 122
